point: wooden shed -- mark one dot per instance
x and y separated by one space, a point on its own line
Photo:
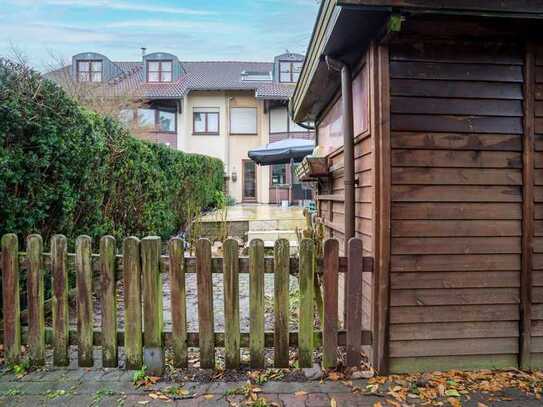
430 115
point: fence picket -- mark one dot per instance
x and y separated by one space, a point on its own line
108 300
10 293
353 323
281 296
256 302
330 323
60 300
205 304
35 293
152 305
85 320
305 338
178 302
132 303
231 304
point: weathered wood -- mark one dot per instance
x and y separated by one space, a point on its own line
488 107
465 124
443 228
454 347
456 245
433 363
527 212
456 279
353 322
133 345
454 313
464 262
35 291
231 304
108 301
256 302
306 315
10 295
178 302
456 141
455 72
85 317
330 323
152 304
205 304
454 330
60 300
454 296
456 210
456 89
456 158
281 303
464 193
456 176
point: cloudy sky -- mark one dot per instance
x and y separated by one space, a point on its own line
49 30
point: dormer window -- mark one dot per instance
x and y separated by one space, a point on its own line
289 71
89 71
159 71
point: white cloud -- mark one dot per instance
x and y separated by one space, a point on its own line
115 5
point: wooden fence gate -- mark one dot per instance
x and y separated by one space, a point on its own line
140 266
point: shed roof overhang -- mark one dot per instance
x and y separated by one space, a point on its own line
344 29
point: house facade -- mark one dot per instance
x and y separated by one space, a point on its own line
217 108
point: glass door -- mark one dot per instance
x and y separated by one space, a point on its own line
249 181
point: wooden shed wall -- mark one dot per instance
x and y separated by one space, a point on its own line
331 198
456 204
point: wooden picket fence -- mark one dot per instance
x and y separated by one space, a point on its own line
140 266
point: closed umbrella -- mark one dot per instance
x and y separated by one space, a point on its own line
282 152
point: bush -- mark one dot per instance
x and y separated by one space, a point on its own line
68 170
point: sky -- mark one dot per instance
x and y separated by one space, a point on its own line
46 32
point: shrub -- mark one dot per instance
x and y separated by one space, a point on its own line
68 170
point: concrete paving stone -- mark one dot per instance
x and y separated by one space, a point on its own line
216 401
32 376
290 400
42 388
7 386
222 388
117 387
112 374
317 400
355 400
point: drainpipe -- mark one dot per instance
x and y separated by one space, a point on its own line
348 144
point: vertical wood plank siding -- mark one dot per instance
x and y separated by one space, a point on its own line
537 256
332 211
456 222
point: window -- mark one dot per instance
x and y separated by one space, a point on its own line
243 120
279 175
89 71
160 119
159 71
205 121
126 116
280 122
289 72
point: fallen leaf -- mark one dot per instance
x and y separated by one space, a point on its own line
377 404
452 393
144 402
333 402
300 393
481 405
208 396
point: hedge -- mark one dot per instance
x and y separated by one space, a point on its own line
64 169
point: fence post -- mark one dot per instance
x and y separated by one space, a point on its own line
153 354
35 291
178 302
330 323
281 296
256 302
60 300
10 293
205 304
108 301
132 303
353 324
305 335
231 304
85 320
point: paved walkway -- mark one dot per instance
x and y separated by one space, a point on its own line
114 387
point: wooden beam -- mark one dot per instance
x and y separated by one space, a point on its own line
380 119
527 211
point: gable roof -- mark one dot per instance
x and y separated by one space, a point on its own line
199 75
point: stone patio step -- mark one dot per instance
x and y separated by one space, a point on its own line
276 224
272 235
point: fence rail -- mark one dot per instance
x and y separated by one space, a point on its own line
139 267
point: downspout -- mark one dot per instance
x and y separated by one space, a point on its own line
348 144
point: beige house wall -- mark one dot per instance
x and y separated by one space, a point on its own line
232 149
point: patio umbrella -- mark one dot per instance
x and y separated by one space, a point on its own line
282 152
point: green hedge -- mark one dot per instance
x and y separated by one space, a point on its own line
64 169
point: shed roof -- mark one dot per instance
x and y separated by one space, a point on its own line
344 28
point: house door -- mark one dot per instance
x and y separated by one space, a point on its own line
249 181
